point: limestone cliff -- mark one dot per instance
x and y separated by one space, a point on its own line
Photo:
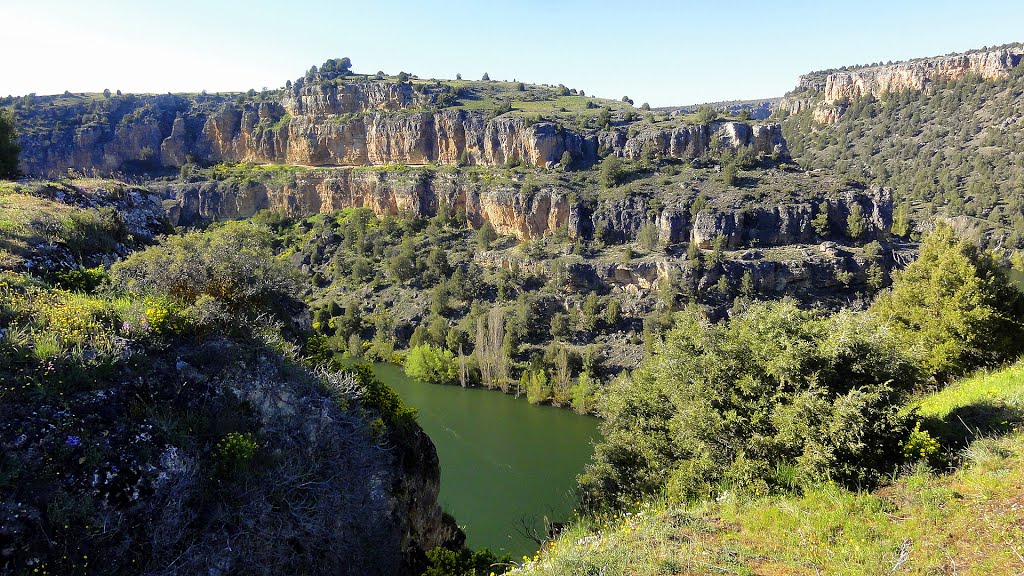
362 123
523 213
827 92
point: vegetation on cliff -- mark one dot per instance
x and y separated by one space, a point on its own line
777 398
161 416
952 150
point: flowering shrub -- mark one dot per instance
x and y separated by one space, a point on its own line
920 445
235 452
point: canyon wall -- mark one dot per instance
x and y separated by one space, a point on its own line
519 213
360 124
827 92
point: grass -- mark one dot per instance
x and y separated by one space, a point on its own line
1002 386
970 521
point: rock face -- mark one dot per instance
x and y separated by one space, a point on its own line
364 123
516 212
919 74
830 89
791 223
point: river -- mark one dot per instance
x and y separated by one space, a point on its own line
503 461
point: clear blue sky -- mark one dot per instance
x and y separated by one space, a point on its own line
660 52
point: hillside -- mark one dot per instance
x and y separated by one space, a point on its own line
966 521
945 134
151 413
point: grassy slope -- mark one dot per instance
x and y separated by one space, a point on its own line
970 521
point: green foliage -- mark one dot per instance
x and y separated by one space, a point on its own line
234 453
228 271
9 147
953 149
486 235
953 308
566 161
901 224
431 364
464 562
920 445
538 389
722 406
584 394
612 172
729 174
706 115
648 237
856 223
81 279
380 398
820 221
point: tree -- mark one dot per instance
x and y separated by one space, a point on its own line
490 349
820 221
486 77
729 174
954 307
747 283
612 173
566 161
612 313
559 325
901 221
537 388
648 237
458 76
403 77
9 147
486 235
706 115
432 364
856 224
730 404
588 321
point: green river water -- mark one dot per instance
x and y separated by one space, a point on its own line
503 461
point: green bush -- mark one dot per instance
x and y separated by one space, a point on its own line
432 364
9 147
464 562
954 307
722 406
228 271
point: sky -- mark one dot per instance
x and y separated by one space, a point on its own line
662 52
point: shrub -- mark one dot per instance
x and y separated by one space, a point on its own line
431 364
9 148
486 235
954 307
234 453
612 173
231 268
721 406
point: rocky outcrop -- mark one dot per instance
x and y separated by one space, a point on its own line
688 142
792 223
521 212
917 75
364 123
821 274
827 92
